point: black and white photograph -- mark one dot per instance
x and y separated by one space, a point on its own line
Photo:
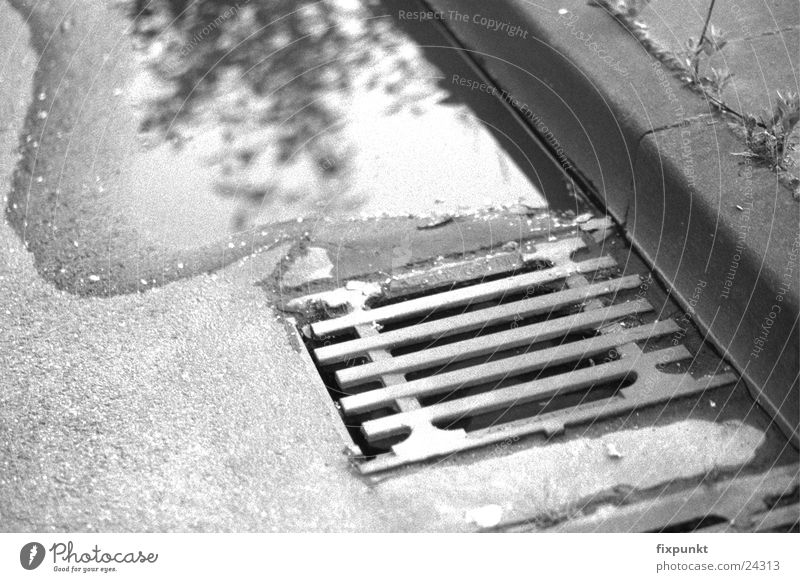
399 266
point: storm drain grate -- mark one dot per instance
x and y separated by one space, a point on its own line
529 353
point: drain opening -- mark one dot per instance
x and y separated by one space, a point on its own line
531 352
487 328
444 313
524 410
436 283
692 525
511 380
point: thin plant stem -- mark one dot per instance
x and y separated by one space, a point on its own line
702 36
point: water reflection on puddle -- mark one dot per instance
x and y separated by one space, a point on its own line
330 112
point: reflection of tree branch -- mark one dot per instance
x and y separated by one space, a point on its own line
229 187
275 76
221 36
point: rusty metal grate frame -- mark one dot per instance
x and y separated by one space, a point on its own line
425 440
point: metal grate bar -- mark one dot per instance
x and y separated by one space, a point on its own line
504 368
514 395
652 388
471 321
489 344
457 297
404 404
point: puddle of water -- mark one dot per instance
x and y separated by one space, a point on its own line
443 160
17 64
14 39
391 153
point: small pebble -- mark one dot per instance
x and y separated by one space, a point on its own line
612 451
435 222
487 516
522 209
